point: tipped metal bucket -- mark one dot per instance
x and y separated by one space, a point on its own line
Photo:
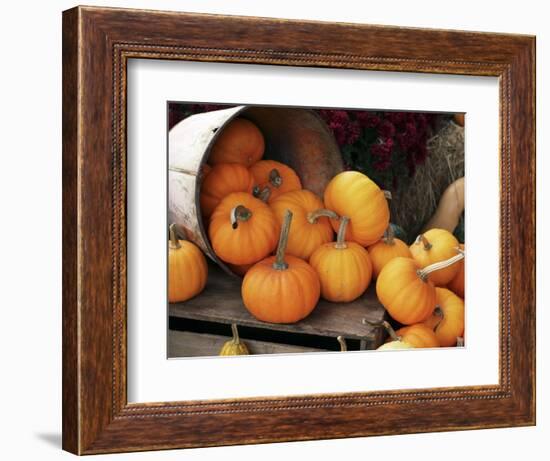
296 137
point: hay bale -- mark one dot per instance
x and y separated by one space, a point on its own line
415 201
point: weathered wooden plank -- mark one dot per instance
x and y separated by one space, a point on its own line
221 302
190 344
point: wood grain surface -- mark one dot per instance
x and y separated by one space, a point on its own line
97 43
188 344
221 302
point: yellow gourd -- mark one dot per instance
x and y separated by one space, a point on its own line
449 209
234 346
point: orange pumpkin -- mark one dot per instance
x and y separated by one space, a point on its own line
433 246
408 297
406 290
457 283
243 229
418 336
459 119
310 224
281 289
223 179
187 269
353 194
344 268
274 178
386 249
240 142
448 317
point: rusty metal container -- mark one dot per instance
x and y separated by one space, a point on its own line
296 137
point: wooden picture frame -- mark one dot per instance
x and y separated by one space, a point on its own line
97 43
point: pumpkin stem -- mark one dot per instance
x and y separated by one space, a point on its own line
423 273
280 263
239 213
235 332
391 331
341 237
459 341
343 345
275 178
386 325
438 312
262 194
256 191
389 235
174 242
425 242
313 216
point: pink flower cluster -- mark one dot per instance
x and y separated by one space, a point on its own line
382 134
384 145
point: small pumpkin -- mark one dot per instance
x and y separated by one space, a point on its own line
419 336
459 119
434 246
310 224
240 142
234 346
281 289
396 342
406 290
243 229
187 269
457 283
274 178
386 249
353 194
344 268
223 179
448 318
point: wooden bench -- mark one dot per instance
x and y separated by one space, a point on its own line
220 305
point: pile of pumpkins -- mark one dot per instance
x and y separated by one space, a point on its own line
281 239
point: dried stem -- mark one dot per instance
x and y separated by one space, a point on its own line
423 273
438 312
236 338
389 235
386 325
313 216
275 178
341 237
174 242
239 213
262 194
425 242
280 263
343 345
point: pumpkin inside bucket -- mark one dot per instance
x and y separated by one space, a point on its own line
296 137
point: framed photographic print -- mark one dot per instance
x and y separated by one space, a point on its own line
282 230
